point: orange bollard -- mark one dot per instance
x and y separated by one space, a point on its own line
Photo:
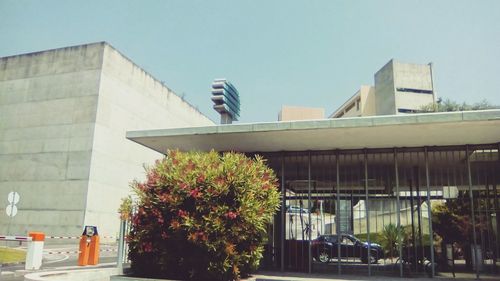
89 247
94 250
83 256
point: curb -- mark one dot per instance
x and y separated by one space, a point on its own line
84 274
7 273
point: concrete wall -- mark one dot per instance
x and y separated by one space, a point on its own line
368 101
413 76
290 113
129 99
397 75
48 102
63 118
351 108
362 103
385 103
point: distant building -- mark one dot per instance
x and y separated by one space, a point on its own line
63 118
362 103
290 113
400 88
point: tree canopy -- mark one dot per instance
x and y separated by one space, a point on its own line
449 105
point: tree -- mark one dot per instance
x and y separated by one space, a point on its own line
201 216
449 105
392 237
451 220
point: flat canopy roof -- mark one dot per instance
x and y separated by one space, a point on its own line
413 130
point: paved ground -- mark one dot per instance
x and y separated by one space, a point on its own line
294 276
66 259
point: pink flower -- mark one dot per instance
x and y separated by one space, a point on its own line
202 236
175 224
147 247
182 213
153 178
231 215
195 193
166 198
200 179
190 166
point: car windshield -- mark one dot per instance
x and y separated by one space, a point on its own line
350 240
332 238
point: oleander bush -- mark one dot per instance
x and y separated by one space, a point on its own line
201 216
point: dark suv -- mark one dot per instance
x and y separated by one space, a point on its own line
325 247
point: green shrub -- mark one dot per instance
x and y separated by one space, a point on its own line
392 236
202 216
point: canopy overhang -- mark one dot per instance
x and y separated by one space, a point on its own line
415 130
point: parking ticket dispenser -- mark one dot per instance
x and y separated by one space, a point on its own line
89 247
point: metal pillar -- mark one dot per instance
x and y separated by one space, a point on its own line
283 214
121 246
496 180
367 218
471 197
337 215
429 211
309 207
398 217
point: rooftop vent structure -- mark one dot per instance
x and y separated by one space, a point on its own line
226 100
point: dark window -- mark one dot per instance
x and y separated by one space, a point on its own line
349 107
406 110
410 90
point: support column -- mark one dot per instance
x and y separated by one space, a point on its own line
309 207
121 246
429 211
496 181
398 216
471 197
337 213
283 214
367 212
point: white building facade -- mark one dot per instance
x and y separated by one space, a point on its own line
63 118
400 88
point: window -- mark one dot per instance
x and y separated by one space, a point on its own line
418 91
346 241
406 110
349 107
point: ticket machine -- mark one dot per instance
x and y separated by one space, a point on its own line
89 247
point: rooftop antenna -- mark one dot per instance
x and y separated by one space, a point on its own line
226 100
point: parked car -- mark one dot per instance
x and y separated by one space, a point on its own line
296 210
325 248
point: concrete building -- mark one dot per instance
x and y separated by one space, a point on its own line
403 88
400 88
350 178
362 103
63 118
290 113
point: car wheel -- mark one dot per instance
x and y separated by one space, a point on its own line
323 256
373 259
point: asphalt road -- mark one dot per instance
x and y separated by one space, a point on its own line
59 261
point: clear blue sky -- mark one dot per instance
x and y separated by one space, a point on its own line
309 53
